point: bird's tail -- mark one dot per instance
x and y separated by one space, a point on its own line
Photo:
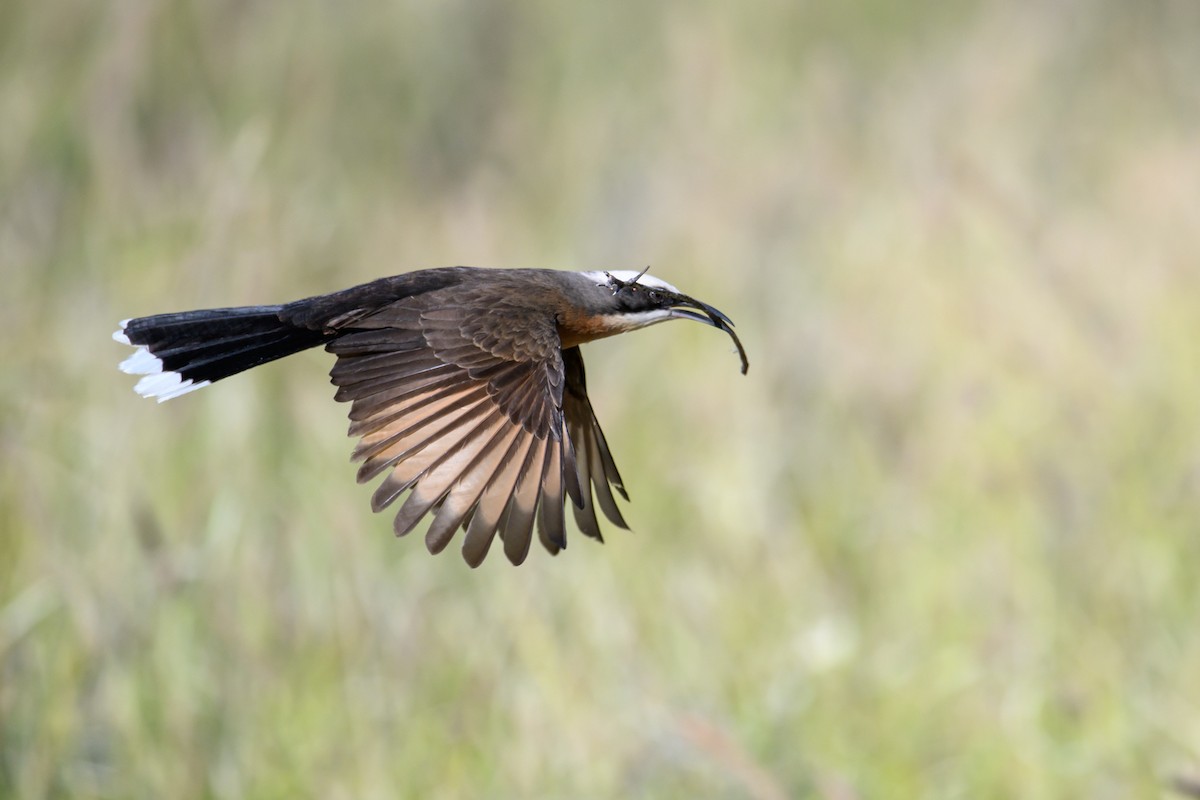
178 353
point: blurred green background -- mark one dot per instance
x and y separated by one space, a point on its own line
942 541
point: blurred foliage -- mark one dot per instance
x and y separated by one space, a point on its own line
941 542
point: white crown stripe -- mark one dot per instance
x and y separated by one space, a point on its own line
627 275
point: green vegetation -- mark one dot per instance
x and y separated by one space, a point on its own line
942 541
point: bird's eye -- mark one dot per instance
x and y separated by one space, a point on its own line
653 296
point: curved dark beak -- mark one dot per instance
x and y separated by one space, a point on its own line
681 308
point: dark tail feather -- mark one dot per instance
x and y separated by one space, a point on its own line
181 352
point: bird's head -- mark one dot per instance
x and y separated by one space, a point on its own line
634 300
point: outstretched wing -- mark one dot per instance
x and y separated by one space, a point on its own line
463 407
594 462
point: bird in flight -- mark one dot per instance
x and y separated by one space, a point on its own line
466 387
